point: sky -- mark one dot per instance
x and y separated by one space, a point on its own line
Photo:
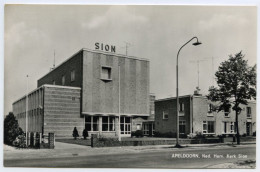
33 32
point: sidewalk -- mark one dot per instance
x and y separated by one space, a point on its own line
70 150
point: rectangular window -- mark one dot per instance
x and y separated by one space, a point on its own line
232 127
248 112
111 123
165 115
225 127
182 125
210 110
204 127
105 123
63 80
88 123
106 73
208 127
72 75
108 123
95 123
227 112
181 107
146 129
211 127
153 128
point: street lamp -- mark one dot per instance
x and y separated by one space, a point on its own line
119 104
26 112
177 90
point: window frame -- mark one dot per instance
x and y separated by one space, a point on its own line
181 108
182 123
232 127
109 73
108 124
226 113
248 112
72 75
206 131
63 80
164 115
146 129
210 110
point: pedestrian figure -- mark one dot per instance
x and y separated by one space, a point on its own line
75 133
85 134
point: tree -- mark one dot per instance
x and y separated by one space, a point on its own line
85 134
236 85
11 129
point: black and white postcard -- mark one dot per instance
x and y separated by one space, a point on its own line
159 86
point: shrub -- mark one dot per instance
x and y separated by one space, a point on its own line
244 135
75 133
167 134
11 129
199 135
170 135
191 135
157 134
102 138
183 136
20 141
85 133
137 133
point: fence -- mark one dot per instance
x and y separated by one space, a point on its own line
39 141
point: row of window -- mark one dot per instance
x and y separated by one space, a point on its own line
105 75
63 78
210 110
92 123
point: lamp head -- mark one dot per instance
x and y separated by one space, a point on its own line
196 43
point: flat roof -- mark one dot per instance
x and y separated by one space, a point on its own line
191 95
172 98
99 52
48 85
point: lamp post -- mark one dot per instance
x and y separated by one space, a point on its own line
119 103
26 112
177 90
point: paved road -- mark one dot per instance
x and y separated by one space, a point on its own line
160 159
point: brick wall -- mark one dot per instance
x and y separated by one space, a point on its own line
62 111
169 105
73 63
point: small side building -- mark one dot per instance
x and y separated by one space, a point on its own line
197 116
51 108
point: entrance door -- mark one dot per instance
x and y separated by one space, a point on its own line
248 128
125 126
